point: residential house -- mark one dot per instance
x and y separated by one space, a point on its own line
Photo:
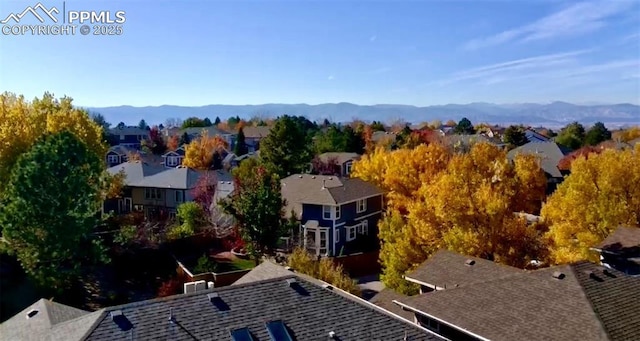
129 136
533 136
170 131
464 142
621 250
155 190
118 154
338 216
283 308
225 185
495 131
196 132
344 161
174 158
550 154
446 130
253 136
469 299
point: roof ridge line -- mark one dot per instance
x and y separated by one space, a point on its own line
586 297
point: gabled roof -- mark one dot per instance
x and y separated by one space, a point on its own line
141 174
582 301
255 132
339 157
447 269
129 130
266 270
178 152
308 310
52 318
384 299
121 150
535 137
301 189
550 154
624 239
196 131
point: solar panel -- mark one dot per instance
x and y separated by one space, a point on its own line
242 334
278 331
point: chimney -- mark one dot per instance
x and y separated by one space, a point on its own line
324 184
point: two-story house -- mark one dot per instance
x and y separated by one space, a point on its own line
128 136
338 216
253 136
155 190
344 161
195 132
173 158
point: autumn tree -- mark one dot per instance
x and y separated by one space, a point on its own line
241 145
601 193
329 166
423 136
199 153
515 136
155 143
23 122
451 123
597 134
257 206
464 127
173 143
114 184
47 224
565 163
285 150
377 126
572 136
627 135
325 270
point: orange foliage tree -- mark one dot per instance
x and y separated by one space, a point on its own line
173 143
199 153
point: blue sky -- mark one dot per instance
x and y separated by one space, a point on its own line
365 52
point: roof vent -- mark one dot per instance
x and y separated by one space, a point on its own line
608 273
212 296
32 313
291 281
300 176
313 177
328 287
330 178
469 262
558 275
171 317
332 334
120 320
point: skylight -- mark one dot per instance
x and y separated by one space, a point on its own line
278 331
242 334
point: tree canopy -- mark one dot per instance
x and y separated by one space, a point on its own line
22 123
515 136
464 127
285 150
241 146
47 223
572 136
600 194
200 153
597 134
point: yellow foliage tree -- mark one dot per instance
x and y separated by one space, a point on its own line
627 134
462 202
199 153
23 122
601 193
325 270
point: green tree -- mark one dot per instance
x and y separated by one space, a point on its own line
332 140
377 126
207 122
47 224
464 127
285 150
217 121
257 206
232 121
185 139
143 124
515 136
241 146
121 125
572 136
193 122
597 134
354 143
102 122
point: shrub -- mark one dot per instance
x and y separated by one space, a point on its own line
325 270
170 287
205 264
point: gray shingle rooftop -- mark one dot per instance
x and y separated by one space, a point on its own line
588 302
309 311
550 154
301 189
623 239
266 270
142 174
256 132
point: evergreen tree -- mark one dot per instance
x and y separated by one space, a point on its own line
241 146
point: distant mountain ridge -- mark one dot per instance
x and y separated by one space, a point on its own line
553 114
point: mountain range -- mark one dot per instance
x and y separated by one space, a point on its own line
556 114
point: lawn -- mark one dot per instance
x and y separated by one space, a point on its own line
220 262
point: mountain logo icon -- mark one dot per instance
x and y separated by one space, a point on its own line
34 11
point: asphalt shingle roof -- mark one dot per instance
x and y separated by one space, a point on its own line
309 311
448 269
384 299
142 174
622 240
301 189
587 303
266 270
256 132
550 154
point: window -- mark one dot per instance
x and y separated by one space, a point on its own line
172 161
278 331
363 228
361 205
326 212
152 193
113 158
338 212
172 215
138 208
121 137
347 168
351 233
336 236
242 334
127 204
179 196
